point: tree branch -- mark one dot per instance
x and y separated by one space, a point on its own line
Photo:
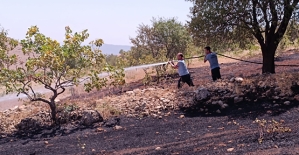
264 9
274 22
46 85
63 89
288 11
257 32
41 99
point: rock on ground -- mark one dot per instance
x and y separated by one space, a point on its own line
202 94
90 117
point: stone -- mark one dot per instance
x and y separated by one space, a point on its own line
232 80
112 122
261 84
100 130
202 94
162 98
182 116
277 89
151 89
167 114
145 114
225 105
220 103
158 148
28 124
239 79
218 111
90 117
158 107
117 127
230 149
296 97
136 91
238 99
214 102
14 108
287 103
155 115
130 93
276 98
137 108
166 101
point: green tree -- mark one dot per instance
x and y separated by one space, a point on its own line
6 45
48 63
111 59
163 39
239 21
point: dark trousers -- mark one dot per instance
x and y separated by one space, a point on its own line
216 73
185 79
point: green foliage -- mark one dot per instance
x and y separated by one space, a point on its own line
111 59
55 66
157 42
291 37
6 58
147 78
224 24
160 41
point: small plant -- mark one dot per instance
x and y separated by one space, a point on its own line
147 78
270 128
70 108
107 110
73 91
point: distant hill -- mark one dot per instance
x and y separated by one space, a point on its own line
114 49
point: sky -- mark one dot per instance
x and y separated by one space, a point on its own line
114 21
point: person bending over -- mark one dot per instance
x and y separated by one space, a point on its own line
214 65
182 70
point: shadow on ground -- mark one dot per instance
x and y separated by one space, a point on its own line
251 110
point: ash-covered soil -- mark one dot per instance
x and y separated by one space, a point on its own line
169 135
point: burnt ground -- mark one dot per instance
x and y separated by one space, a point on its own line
194 134
174 135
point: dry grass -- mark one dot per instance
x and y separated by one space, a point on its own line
107 110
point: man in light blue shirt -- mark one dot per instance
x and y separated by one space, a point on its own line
214 65
182 70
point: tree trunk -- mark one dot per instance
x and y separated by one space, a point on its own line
268 60
53 111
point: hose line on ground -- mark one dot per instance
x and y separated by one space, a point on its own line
243 60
